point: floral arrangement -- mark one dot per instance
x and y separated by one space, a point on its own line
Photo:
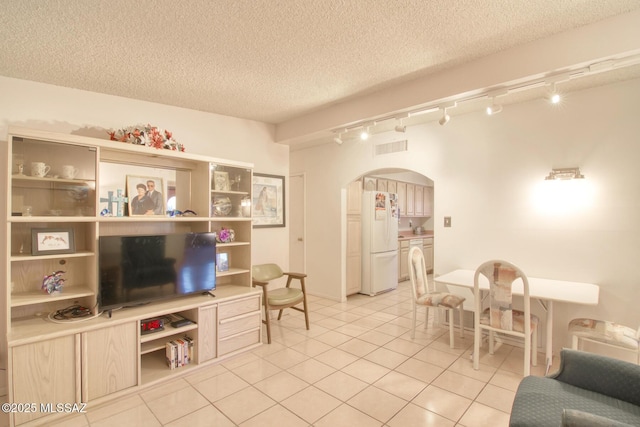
148 135
225 235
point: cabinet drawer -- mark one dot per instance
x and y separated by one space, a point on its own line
238 324
427 241
236 308
237 342
404 243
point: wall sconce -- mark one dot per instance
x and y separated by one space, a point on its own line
564 173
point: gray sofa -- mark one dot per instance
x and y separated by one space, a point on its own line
588 390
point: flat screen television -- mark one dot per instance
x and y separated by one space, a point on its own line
134 270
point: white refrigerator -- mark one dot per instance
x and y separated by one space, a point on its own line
379 242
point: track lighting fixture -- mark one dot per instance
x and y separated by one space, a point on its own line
364 135
554 96
400 127
338 139
445 117
494 108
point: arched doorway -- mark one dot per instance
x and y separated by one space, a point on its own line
415 199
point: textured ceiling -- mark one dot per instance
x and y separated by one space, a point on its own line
267 60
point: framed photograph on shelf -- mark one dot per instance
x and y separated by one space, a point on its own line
222 261
49 241
145 194
268 200
221 181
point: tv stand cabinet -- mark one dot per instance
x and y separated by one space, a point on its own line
104 357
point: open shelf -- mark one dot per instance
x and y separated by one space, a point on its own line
39 297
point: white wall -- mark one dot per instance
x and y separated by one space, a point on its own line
58 109
485 170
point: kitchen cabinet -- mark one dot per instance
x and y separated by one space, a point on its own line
392 186
381 185
403 261
401 188
411 188
427 250
418 199
428 202
369 184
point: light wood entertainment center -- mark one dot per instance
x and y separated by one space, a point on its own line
92 361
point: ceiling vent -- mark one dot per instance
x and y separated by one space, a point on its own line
390 147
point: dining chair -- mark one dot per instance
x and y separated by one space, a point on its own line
606 333
500 316
281 298
425 294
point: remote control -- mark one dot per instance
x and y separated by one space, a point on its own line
181 322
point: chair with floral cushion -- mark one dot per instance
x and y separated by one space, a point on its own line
605 333
424 294
500 316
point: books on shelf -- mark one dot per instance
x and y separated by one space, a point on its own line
179 352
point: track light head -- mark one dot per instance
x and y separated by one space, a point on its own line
338 139
494 109
445 117
444 108
364 135
400 127
554 95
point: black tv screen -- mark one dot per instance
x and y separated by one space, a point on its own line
138 269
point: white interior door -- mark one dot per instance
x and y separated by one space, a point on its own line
297 257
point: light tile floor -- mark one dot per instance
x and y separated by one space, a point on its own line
356 366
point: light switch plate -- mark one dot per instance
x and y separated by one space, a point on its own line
447 221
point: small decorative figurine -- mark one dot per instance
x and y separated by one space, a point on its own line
120 201
53 282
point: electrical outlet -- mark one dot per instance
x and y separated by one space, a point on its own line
447 221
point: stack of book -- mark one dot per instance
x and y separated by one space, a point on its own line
179 352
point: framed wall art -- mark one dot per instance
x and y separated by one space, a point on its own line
48 241
145 194
268 201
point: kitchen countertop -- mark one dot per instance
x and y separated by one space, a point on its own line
408 235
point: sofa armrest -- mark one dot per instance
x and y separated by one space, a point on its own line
600 374
575 418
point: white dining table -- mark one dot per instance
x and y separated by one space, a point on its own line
545 291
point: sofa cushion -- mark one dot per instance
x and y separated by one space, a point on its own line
540 402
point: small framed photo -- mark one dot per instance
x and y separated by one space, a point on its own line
49 241
221 181
145 194
222 261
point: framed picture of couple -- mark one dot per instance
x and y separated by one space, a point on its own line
146 195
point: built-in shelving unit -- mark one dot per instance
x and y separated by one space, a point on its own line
104 357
